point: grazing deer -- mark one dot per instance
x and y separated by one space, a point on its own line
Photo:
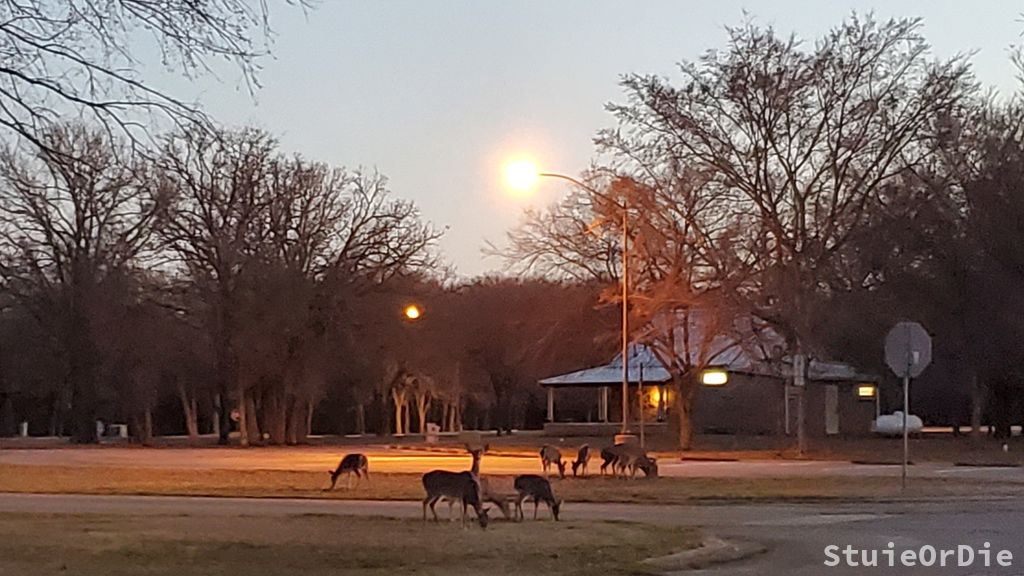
487 494
647 464
537 488
582 460
349 465
609 456
550 455
460 486
623 457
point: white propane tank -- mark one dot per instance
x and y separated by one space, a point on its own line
892 424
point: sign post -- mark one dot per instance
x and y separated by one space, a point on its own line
908 351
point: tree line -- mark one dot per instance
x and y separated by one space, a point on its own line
238 287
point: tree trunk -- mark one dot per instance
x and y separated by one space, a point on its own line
309 419
188 407
399 399
147 426
243 420
406 417
275 421
360 418
422 407
253 425
294 421
8 423
217 420
686 388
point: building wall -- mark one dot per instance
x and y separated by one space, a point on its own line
755 405
746 405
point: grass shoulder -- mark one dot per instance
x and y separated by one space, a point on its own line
324 544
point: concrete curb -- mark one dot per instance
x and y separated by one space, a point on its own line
712 550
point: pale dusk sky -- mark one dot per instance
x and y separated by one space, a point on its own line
439 94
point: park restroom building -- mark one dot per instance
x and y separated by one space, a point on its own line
745 396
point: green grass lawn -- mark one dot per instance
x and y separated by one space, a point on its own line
313 545
288 484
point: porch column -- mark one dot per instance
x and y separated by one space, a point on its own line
603 404
551 404
661 402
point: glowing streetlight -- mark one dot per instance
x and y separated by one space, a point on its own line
412 312
522 175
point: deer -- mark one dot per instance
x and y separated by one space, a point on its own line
349 465
460 486
609 456
582 460
550 455
487 494
537 488
623 457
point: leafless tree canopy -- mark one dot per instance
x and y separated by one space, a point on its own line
60 57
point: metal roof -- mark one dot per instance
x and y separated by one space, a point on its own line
641 362
737 359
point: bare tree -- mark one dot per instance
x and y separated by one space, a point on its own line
80 56
73 222
801 142
277 245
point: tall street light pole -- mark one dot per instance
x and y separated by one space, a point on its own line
624 205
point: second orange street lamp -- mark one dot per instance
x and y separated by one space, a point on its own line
523 175
412 312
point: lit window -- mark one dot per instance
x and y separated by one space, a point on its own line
866 391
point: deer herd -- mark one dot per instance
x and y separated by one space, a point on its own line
472 490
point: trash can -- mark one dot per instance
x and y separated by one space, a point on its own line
433 433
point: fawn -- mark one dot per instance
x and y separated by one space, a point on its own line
349 465
537 488
550 455
460 486
582 460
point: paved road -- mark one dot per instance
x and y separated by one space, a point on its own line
795 534
418 461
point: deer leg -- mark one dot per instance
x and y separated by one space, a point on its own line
434 512
519 507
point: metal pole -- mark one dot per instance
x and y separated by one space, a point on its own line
800 385
640 403
906 415
625 320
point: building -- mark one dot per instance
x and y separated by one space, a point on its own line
741 393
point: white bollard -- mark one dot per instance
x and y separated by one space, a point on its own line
23 429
